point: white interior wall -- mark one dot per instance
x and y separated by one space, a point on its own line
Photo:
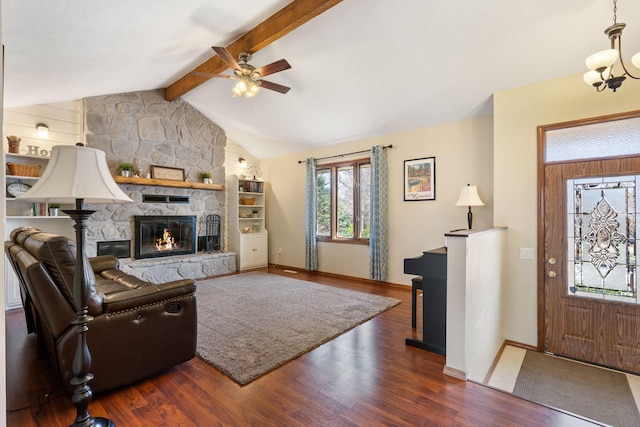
463 152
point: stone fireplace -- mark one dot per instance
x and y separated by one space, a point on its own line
144 129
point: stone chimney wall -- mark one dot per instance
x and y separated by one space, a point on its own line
144 127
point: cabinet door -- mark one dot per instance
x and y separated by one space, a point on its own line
246 252
260 253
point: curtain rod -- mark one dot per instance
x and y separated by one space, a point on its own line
345 154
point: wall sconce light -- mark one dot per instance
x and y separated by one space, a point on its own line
43 130
469 197
243 162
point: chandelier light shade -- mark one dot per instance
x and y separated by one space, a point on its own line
469 197
78 174
601 64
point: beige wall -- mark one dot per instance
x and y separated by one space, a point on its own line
517 113
463 152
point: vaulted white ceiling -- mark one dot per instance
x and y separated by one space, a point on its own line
363 68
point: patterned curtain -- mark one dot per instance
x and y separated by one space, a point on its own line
378 249
310 206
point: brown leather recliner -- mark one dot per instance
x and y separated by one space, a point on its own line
138 328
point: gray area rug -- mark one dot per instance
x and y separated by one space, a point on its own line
589 391
252 323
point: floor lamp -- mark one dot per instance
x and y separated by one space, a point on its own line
469 197
75 175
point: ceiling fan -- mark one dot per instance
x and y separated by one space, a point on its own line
249 78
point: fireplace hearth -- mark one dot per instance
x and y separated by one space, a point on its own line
164 235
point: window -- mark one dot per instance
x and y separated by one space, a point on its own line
343 201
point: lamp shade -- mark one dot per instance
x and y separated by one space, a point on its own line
592 77
599 61
76 172
469 197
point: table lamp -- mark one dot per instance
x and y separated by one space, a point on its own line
78 174
469 197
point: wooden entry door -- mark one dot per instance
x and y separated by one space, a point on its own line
578 322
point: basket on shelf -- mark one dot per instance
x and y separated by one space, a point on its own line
249 201
19 169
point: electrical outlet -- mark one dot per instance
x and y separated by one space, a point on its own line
279 251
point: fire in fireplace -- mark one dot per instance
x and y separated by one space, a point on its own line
160 236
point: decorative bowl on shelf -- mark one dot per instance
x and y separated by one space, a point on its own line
246 229
245 215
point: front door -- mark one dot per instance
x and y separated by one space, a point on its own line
589 212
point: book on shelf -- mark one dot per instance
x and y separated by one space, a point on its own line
40 209
254 187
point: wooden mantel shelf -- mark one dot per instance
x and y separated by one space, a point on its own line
167 183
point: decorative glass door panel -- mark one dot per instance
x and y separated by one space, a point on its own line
602 235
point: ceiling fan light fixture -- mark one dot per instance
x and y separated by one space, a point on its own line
249 78
602 63
246 88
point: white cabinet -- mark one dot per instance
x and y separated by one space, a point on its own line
21 214
247 234
253 250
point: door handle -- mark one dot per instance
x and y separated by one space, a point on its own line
551 274
552 261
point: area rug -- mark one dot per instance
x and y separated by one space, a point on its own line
596 393
252 323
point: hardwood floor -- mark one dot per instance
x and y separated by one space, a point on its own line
365 377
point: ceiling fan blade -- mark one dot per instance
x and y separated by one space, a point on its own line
274 86
226 57
224 76
274 67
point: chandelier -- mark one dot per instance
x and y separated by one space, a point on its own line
600 64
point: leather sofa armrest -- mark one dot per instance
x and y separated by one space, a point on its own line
103 262
151 294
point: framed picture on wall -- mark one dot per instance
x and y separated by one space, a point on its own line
420 179
164 172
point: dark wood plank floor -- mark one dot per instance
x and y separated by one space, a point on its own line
366 377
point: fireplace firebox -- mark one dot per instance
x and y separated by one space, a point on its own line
160 236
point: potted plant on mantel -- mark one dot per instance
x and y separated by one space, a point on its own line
205 177
125 169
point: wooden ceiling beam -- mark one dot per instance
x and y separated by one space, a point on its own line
287 19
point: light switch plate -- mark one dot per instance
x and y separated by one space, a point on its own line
526 253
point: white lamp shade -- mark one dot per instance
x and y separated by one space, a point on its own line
76 172
599 61
635 59
592 77
469 197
